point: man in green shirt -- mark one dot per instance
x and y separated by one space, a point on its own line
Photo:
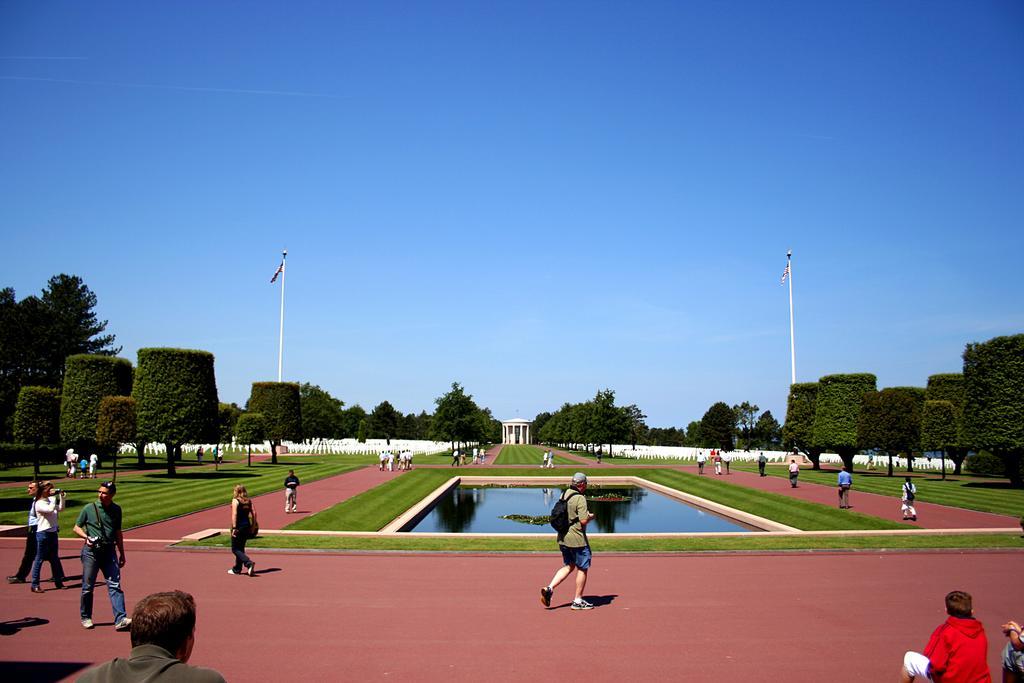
99 524
574 545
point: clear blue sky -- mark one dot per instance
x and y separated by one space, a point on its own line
537 200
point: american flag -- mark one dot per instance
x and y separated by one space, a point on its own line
280 269
785 274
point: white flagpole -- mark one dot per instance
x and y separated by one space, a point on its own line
280 340
792 343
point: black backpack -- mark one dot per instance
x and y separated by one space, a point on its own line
908 490
560 514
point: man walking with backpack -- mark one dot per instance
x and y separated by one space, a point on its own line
570 517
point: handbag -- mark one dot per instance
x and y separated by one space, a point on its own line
254 524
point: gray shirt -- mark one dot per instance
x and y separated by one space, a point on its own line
149 663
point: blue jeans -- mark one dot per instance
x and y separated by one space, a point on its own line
46 550
104 560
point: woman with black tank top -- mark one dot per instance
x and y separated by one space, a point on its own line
243 516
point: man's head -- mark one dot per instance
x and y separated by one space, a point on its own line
291 473
579 481
959 604
167 620
107 491
32 488
843 468
907 479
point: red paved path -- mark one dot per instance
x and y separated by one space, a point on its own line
312 497
795 618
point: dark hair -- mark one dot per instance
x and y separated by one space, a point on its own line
164 619
959 604
110 486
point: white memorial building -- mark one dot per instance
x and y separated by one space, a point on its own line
515 431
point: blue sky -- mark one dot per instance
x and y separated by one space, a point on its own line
537 200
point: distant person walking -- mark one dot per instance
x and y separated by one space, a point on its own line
243 521
717 457
761 462
30 539
844 482
94 461
702 459
794 473
727 459
455 457
100 525
907 500
48 504
199 456
573 544
71 462
83 466
291 485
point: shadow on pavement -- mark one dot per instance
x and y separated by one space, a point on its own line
9 628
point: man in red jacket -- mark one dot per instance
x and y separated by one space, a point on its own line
956 651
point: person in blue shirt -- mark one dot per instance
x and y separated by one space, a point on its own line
845 482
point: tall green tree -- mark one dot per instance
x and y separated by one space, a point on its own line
39 332
939 429
115 424
251 428
798 432
836 413
606 422
916 394
746 419
993 416
383 422
281 408
350 419
227 420
718 426
693 437
950 387
456 418
37 420
890 421
636 420
767 432
87 380
175 396
321 413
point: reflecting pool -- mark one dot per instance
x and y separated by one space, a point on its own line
618 509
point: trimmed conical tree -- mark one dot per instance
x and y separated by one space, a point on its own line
994 400
798 432
280 405
87 379
836 411
37 420
175 394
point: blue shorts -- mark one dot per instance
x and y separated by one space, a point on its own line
577 557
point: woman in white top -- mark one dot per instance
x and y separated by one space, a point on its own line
47 505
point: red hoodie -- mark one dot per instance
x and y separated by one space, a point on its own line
957 652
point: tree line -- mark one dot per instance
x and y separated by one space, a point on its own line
94 401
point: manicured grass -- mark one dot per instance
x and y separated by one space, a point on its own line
373 509
965 491
526 455
153 496
753 542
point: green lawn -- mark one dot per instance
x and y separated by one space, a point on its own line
373 509
526 455
152 496
546 544
986 494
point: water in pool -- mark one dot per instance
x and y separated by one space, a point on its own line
618 509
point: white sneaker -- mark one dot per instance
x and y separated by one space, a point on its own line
581 604
124 625
87 623
233 572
